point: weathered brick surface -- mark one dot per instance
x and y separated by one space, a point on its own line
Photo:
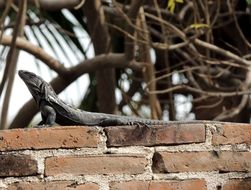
201 161
179 185
132 185
232 134
160 185
172 133
17 165
109 164
238 184
68 185
82 168
46 138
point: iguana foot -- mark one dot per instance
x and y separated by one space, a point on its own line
41 126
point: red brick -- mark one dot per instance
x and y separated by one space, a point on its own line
160 185
179 185
46 138
132 185
68 185
201 161
173 133
17 165
232 134
110 164
238 184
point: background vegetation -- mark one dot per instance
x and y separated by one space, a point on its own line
156 54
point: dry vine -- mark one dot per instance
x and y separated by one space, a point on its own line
206 44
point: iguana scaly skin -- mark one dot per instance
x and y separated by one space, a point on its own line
54 110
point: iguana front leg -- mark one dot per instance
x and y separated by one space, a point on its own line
48 115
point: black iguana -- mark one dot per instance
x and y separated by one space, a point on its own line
54 110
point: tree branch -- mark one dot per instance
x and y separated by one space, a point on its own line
222 52
100 37
132 14
228 114
112 60
38 52
49 5
202 92
11 62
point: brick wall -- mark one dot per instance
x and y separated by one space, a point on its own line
190 156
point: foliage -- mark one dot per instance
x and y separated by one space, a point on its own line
172 3
170 59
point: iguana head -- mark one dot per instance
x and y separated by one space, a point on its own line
36 85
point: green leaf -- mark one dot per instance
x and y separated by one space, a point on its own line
249 2
172 3
199 25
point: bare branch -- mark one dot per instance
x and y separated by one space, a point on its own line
228 114
49 5
202 92
12 61
38 52
149 73
132 14
96 22
222 52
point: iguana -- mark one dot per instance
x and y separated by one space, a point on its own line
54 110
